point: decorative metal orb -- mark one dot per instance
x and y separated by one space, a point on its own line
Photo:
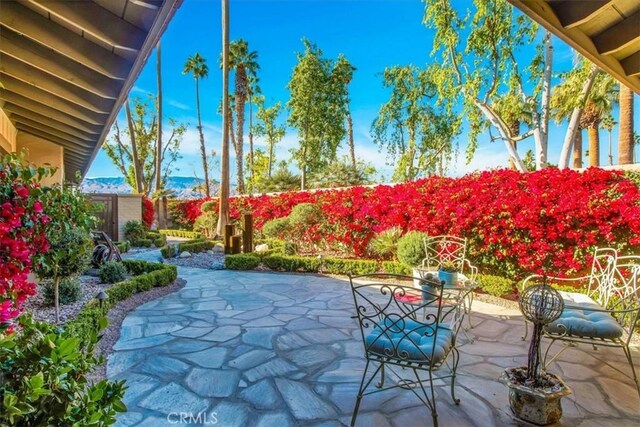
541 304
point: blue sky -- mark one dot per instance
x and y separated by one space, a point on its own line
372 34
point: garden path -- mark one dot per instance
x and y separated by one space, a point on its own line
270 349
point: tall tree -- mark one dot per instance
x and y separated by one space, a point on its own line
269 130
133 149
625 138
477 64
223 206
255 97
344 74
245 65
598 105
317 110
162 223
197 66
609 123
409 127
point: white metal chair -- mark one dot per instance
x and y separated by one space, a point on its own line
405 327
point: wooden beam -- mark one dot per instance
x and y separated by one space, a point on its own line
45 59
79 153
97 21
22 71
618 36
81 143
31 97
22 20
631 64
52 115
572 15
47 121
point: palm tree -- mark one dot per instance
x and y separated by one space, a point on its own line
197 66
245 65
608 123
598 105
254 96
625 139
223 210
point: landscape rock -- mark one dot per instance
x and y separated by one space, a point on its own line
262 247
185 254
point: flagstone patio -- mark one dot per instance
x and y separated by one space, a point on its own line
268 349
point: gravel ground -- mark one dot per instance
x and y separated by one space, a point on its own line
117 314
213 261
36 305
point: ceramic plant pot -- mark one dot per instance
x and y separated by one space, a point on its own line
541 407
449 278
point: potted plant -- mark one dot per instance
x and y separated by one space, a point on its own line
448 273
534 394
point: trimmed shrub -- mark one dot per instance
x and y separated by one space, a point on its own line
69 291
385 244
168 251
206 224
290 248
291 263
181 233
134 231
142 243
496 285
241 261
123 247
112 272
276 228
411 248
349 266
395 267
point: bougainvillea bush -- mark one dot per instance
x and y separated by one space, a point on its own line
22 223
148 212
514 222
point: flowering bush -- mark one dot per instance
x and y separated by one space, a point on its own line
514 222
22 221
148 212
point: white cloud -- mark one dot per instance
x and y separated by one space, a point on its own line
191 139
178 105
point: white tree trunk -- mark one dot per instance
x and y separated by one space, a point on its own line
504 133
542 138
574 122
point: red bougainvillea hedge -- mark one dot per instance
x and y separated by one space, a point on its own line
148 212
515 222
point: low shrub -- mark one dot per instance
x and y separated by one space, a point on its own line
112 272
276 228
168 251
134 231
290 248
123 247
44 379
160 241
241 261
69 291
385 244
349 266
206 224
142 243
291 263
185 234
411 249
395 267
496 285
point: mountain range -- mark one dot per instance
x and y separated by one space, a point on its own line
183 187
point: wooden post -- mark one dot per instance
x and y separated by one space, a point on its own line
228 232
235 244
247 233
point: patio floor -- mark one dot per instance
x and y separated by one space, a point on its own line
265 349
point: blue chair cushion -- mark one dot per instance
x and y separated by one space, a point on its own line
581 320
410 340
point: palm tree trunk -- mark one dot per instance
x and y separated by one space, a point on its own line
223 211
594 145
251 136
625 139
203 149
137 168
240 101
577 150
160 206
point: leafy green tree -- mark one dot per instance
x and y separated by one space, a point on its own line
132 150
343 71
197 66
341 173
414 133
317 109
68 235
261 166
269 130
475 65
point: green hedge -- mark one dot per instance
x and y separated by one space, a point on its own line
193 246
352 266
496 285
142 243
146 275
182 233
241 261
123 247
396 267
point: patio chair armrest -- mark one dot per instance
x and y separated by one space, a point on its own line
472 270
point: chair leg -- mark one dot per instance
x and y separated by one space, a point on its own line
456 359
380 383
468 308
633 369
431 403
363 387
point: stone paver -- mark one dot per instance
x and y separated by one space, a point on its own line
261 349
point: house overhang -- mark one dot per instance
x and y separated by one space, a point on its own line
67 67
607 32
